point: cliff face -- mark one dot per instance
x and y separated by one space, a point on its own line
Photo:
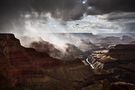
22 67
21 57
123 52
114 67
15 59
118 63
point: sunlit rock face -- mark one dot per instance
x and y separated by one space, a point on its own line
116 61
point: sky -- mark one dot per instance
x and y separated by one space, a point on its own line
76 11
9 6
39 20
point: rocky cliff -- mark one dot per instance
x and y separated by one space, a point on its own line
116 65
123 52
26 69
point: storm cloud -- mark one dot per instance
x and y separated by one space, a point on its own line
107 6
50 25
63 8
72 8
67 10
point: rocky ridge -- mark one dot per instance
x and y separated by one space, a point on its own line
24 68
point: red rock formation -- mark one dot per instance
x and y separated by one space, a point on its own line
25 66
123 52
15 59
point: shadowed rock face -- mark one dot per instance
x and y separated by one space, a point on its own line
15 59
118 69
20 56
26 68
123 52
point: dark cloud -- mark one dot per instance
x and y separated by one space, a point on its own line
75 7
126 19
12 9
67 9
105 6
